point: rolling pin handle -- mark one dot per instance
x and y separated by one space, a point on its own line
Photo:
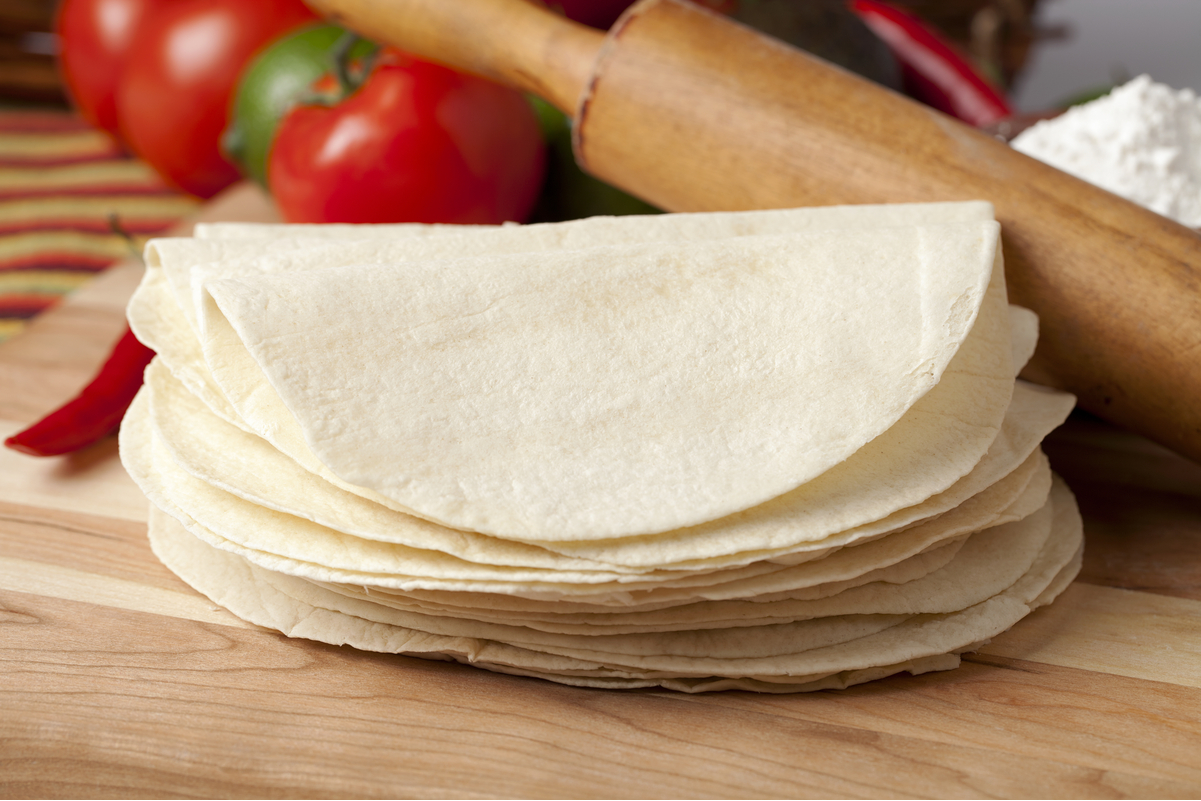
519 43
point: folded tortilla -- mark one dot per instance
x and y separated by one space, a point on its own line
564 396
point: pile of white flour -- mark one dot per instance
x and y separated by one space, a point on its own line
1141 141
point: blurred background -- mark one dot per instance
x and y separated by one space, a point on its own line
73 199
27 49
1088 43
1042 52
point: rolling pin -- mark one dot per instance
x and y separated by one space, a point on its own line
694 112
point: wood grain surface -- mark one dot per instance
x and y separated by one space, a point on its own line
117 680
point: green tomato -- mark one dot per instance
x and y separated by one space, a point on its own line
279 78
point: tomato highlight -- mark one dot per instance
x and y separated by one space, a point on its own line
97 38
174 97
416 142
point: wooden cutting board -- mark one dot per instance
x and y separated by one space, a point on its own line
119 680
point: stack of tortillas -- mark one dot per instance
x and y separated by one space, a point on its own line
777 451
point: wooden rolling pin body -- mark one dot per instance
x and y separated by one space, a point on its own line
694 112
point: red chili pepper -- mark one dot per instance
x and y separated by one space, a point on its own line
932 72
96 411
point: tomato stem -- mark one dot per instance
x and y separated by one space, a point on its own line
341 58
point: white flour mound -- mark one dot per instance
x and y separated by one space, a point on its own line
1141 141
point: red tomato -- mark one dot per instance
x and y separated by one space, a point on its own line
173 101
417 142
96 39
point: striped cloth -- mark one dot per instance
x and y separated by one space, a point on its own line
61 185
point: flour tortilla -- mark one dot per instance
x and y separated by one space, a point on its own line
174 258
238 249
947 499
226 457
164 298
245 465
300 547
902 556
725 643
177 257
917 637
762 652
248 248
825 513
171 260
236 584
921 477
1023 324
187 498
558 397
762 684
666 650
156 319
978 567
248 467
988 563
559 617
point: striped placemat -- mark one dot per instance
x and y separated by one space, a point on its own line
65 192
